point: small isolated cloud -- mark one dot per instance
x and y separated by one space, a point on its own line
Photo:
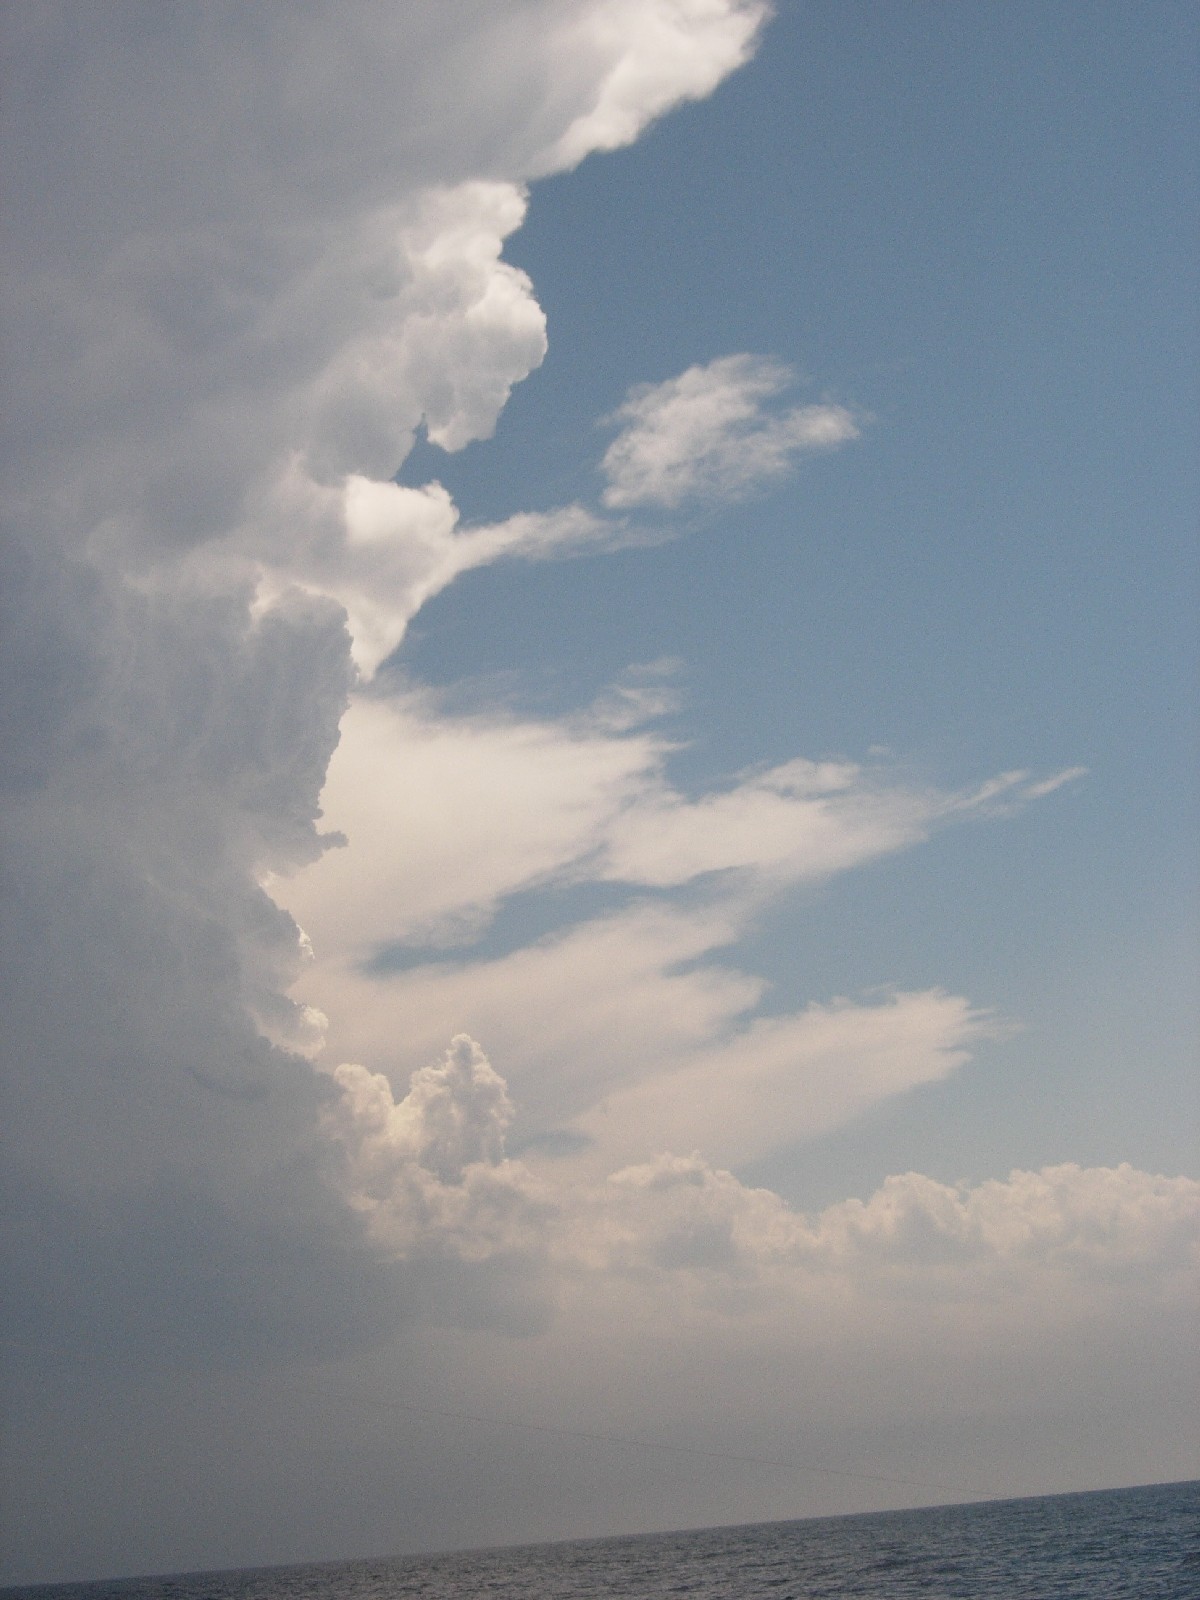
713 433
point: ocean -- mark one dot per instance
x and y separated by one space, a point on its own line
1142 1543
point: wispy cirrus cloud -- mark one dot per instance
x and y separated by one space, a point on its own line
449 815
648 1031
715 432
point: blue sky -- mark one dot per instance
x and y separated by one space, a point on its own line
600 735
975 224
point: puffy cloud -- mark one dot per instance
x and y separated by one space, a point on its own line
1099 1223
436 328
267 232
257 250
431 1174
709 434
428 1172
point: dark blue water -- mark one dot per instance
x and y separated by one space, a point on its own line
1141 1543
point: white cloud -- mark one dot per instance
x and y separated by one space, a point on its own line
428 1172
645 1039
646 1036
335 279
431 1173
804 819
257 248
709 434
445 816
1107 1224
381 549
657 53
1035 791
779 1080
442 328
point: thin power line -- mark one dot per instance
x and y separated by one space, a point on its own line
629 1443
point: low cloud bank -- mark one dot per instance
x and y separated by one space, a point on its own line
431 1174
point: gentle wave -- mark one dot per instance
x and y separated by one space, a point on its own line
1143 1544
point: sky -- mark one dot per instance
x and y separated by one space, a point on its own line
599 717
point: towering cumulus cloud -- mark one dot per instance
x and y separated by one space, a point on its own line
259 246
260 251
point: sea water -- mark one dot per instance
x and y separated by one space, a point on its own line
1141 1543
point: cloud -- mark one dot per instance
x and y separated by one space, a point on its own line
708 434
382 550
815 1069
446 816
648 1032
271 253
442 330
431 1172
657 53
804 819
428 1172
1035 791
800 821
334 277
1104 1223
646 1039
579 799
258 249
